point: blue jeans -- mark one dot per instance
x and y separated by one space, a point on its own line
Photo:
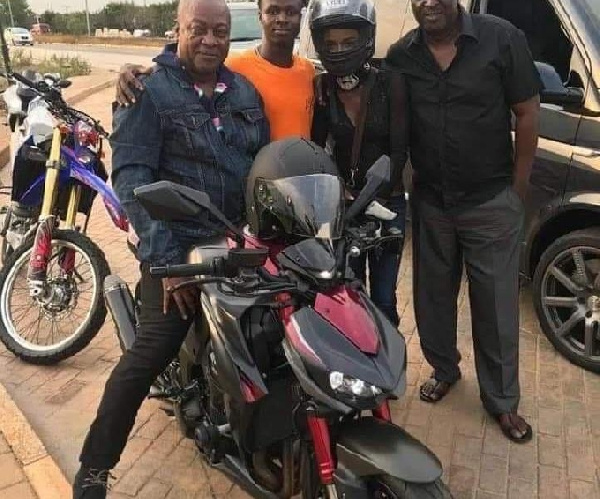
384 264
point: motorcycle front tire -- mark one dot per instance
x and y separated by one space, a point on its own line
17 262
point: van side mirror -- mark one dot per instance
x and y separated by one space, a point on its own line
554 90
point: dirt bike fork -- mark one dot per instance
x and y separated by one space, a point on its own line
42 246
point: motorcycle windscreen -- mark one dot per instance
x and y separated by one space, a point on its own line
307 206
312 256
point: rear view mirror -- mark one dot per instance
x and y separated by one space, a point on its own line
170 202
554 90
377 176
64 83
380 171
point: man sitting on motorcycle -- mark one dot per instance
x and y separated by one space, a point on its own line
197 124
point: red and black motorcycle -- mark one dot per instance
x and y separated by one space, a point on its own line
285 380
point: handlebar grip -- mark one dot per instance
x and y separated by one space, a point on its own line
212 267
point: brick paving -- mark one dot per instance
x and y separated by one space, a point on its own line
13 482
561 401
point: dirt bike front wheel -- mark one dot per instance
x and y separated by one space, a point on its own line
57 325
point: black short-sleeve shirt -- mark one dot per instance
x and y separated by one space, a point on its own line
460 119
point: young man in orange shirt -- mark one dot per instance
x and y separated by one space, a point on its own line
284 80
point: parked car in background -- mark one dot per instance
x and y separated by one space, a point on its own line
561 240
41 29
18 36
246 31
139 33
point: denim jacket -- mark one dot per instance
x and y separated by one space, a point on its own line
171 133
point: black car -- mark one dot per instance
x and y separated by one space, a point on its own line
561 244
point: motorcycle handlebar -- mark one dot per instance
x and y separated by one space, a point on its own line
212 267
22 79
55 97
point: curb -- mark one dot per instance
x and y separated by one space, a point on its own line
42 472
76 99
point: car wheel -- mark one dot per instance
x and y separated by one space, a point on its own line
566 288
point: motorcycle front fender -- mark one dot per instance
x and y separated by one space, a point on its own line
111 202
369 447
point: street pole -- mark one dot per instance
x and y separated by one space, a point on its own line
4 51
12 20
87 17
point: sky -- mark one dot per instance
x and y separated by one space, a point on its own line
39 6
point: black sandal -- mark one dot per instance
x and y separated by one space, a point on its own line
434 390
508 425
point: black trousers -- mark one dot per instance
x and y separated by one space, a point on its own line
157 343
487 239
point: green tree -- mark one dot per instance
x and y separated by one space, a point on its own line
21 13
157 17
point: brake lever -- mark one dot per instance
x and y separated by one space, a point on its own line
197 281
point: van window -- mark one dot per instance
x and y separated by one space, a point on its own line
538 20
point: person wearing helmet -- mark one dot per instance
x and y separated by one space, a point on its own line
362 111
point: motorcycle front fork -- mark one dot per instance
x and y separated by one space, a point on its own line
319 431
42 246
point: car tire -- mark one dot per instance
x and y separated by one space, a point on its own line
566 293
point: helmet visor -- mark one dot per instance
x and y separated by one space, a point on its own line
308 205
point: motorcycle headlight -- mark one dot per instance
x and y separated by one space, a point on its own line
348 385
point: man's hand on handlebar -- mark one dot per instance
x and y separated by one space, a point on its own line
186 298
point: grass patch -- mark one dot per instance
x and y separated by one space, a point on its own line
66 66
101 40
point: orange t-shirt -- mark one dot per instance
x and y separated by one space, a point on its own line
287 93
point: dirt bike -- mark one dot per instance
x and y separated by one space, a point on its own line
51 303
285 377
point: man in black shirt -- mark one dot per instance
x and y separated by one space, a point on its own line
465 74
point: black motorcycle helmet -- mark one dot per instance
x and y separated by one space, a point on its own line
354 14
294 188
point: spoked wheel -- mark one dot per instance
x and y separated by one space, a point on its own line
567 296
52 327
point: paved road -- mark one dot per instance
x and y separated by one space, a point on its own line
561 401
105 57
109 57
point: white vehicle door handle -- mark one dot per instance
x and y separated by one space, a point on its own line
586 152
